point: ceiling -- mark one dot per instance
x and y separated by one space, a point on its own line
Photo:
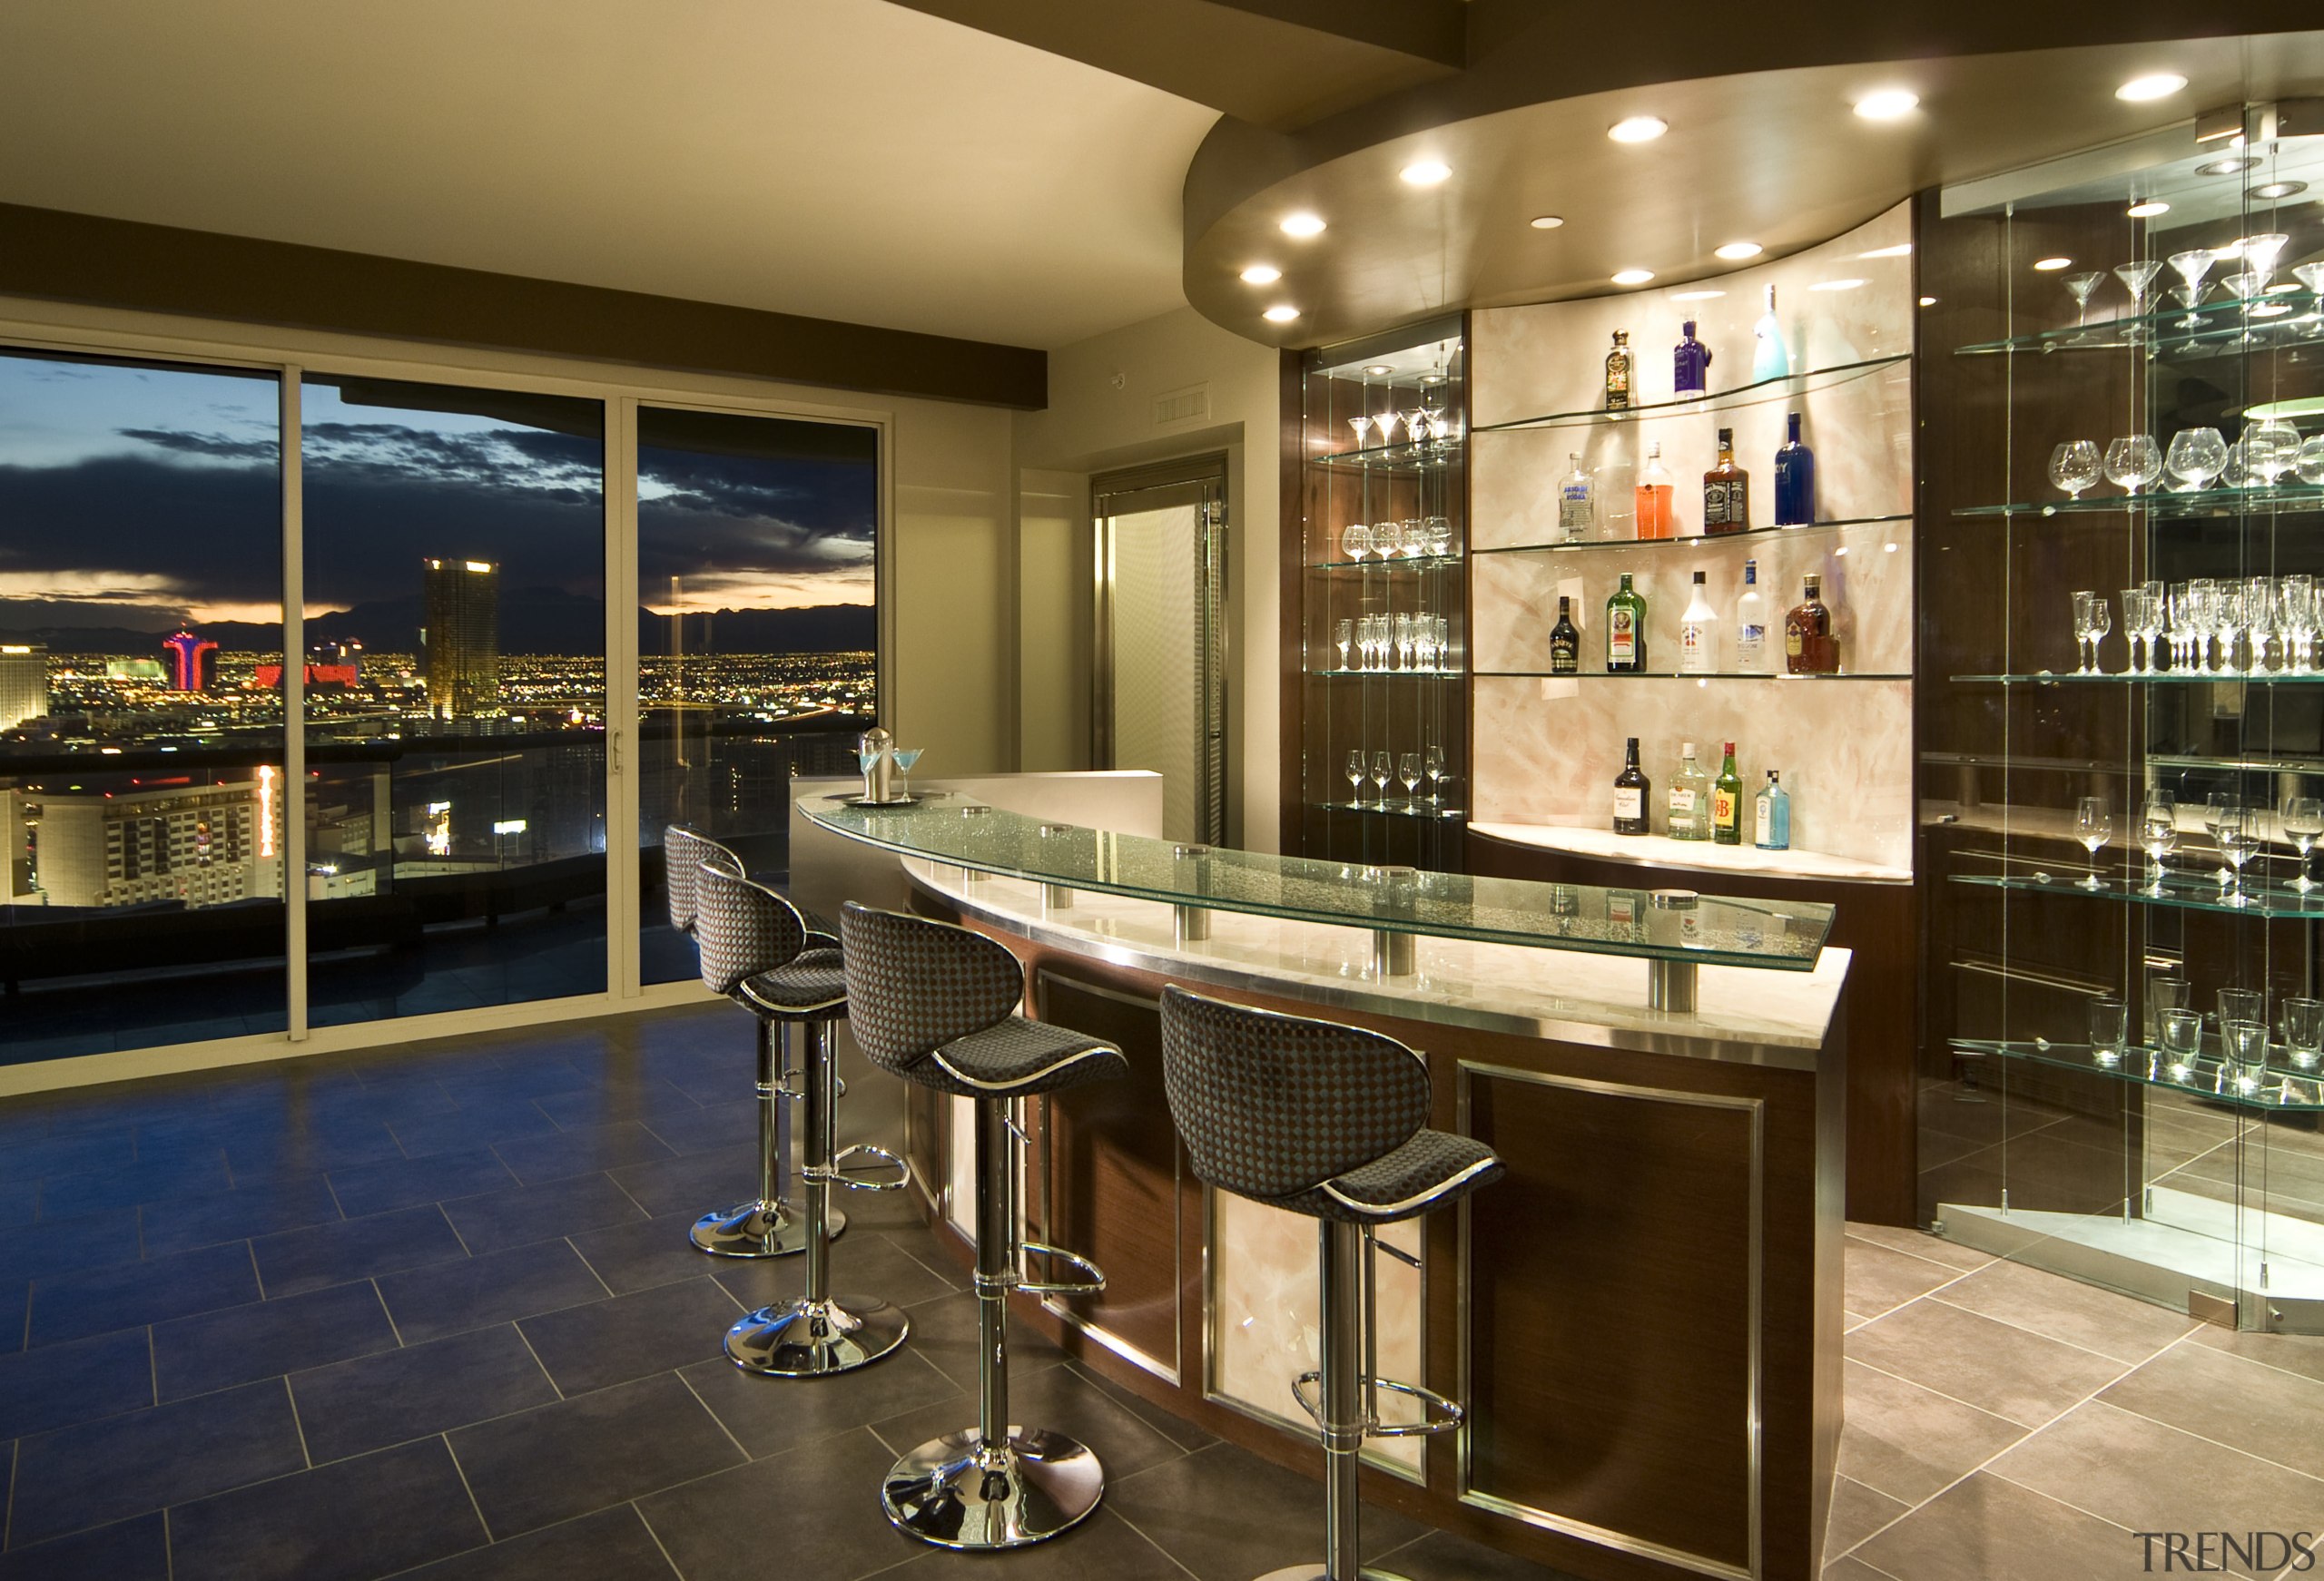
842 159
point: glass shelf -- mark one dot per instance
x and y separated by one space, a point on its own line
2225 330
2170 505
1695 541
1424 457
1427 814
2158 678
1402 563
1748 395
1676 675
1391 674
2283 1087
1716 930
2181 892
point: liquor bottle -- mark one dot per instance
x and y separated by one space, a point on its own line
1726 493
1698 634
1774 823
1768 357
1752 652
1577 504
1625 630
1795 480
1631 788
1727 802
1691 363
1809 648
1690 799
1618 373
1655 487
1565 642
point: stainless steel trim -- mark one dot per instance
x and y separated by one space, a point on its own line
1395 955
1754 1409
1670 987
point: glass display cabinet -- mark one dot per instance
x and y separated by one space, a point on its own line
1382 604
2121 744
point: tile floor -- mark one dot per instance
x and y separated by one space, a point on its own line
431 1312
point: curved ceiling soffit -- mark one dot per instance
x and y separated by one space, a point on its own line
1775 156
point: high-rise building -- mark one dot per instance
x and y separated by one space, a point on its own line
191 655
463 639
200 845
24 682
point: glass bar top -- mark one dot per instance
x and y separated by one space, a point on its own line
1695 541
1684 675
2223 326
1744 394
2169 505
2153 678
1784 936
2180 892
2283 1085
1423 456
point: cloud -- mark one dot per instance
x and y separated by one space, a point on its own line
208 446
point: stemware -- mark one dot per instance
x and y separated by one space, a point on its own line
2196 457
2259 618
1387 539
2302 819
2138 279
1386 423
2182 1041
1408 771
1355 540
2132 462
2110 1029
2159 835
2309 463
2262 252
2191 266
1440 534
2304 1031
2140 620
1445 642
1417 425
1342 636
1433 761
2093 825
1411 538
2102 621
2296 605
2074 467
2230 615
2080 287
1402 630
2245 284
866 757
2081 603
905 758
1356 775
2237 836
1383 769
1362 426
2238 472
2272 449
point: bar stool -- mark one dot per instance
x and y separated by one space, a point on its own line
1328 1121
751 939
935 1004
767 1225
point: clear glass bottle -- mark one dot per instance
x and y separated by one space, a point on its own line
1631 788
1795 480
1727 802
1698 634
1626 630
1726 493
1690 799
1689 363
1618 373
1655 485
1769 360
1577 503
1752 655
1809 648
1773 823
1565 641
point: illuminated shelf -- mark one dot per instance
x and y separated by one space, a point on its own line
2181 892
1697 541
2224 327
1388 674
1429 457
1747 395
1402 563
2282 1086
1674 676
2170 504
2159 678
1394 809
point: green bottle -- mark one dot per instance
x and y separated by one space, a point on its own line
1625 630
1727 802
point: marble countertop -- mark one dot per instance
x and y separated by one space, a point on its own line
1662 851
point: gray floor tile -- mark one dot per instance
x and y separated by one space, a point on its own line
475 1292
1989 1529
559 1154
558 1461
350 1249
769 1416
78 1381
1857 1513
377 1188
613 1544
641 1256
1880 1280
1447 1557
863 1263
266 1339
129 1550
69 1306
499 1220
1102 1546
353 1407
351 1521
1908 1442
1226 1515
2068 1310
1996 1367
837 1477
619 1338
265 1208
1056 1398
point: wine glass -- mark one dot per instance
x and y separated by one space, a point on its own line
2110 1030
2191 266
2137 278
2302 819
2135 630
2296 604
1433 761
2238 835
905 758
2102 621
1408 771
2081 603
2074 467
1356 775
1403 642
2132 462
2272 449
1355 541
2309 463
2159 835
1411 538
1383 769
2081 286
1343 635
2093 825
2196 457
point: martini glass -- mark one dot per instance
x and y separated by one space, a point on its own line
905 758
2312 275
2191 267
1362 427
2138 279
1386 423
2082 287
2260 252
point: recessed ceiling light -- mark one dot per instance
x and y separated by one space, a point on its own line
1633 276
2157 86
1888 104
1835 285
1427 172
1303 224
2234 164
2269 191
1637 129
2149 209
1281 313
2049 265
1377 369
1548 222
1901 249
1928 301
1261 274
1695 296
1739 250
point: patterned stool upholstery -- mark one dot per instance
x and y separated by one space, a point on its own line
683 854
935 1004
1329 1121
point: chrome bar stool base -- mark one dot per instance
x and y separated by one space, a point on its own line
757 1230
960 1492
813 1338
1315 1572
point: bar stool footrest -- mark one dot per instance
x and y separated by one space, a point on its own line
1438 1414
1093 1279
849 1157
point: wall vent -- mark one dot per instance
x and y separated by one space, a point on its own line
1182 406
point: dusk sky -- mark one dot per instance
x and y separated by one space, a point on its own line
144 498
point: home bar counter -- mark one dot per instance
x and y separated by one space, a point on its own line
1644 1318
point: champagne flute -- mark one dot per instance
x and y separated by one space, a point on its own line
1343 635
2081 660
2074 465
2132 462
2093 825
1383 769
2301 819
2102 621
2159 834
1408 771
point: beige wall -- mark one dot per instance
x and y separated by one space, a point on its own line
1101 415
952 606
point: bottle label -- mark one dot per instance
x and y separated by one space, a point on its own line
1629 803
1750 638
1694 646
1793 637
1565 658
1621 638
1573 509
1715 505
1682 803
1722 808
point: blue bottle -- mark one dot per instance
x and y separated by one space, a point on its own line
1774 819
1690 364
1795 481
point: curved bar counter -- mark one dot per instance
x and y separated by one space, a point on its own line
1644 1319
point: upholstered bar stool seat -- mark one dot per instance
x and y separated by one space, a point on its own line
1328 1121
935 1004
